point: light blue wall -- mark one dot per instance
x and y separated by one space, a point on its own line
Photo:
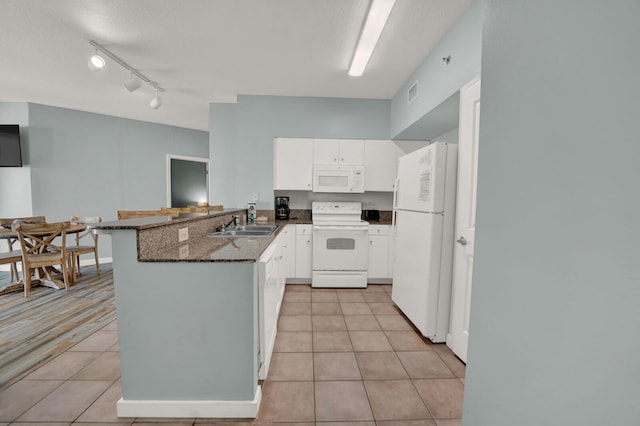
451 136
91 164
555 328
241 137
438 81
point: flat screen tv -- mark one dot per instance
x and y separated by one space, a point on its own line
10 153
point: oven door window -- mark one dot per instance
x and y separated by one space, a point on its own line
341 244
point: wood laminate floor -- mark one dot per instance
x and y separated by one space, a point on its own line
36 330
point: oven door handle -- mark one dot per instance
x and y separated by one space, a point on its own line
340 228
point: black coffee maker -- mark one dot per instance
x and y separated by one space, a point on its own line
282 208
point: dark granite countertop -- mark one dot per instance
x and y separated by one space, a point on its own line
157 221
215 249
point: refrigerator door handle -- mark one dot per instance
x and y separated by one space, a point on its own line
395 193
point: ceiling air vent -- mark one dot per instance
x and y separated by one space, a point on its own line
413 92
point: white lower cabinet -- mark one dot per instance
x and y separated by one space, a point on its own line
379 252
304 251
288 237
271 283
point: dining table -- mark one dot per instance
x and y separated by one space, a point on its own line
6 233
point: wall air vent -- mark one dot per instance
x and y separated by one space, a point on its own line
413 92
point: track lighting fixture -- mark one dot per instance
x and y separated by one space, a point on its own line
136 78
133 84
96 62
156 102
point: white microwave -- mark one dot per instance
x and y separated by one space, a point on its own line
331 178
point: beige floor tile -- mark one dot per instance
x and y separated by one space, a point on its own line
424 365
287 402
238 422
104 409
406 423
99 341
64 366
335 366
114 348
453 362
377 296
106 367
297 296
355 308
325 308
41 424
67 402
442 396
341 401
383 308
298 287
293 341
407 341
155 420
295 308
351 296
328 323
374 288
347 423
331 341
393 323
22 395
112 326
324 296
291 366
448 422
294 323
362 323
367 341
380 365
395 400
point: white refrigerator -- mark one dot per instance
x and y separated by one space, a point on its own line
424 218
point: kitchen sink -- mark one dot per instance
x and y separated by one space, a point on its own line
246 231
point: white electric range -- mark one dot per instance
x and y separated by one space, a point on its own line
340 245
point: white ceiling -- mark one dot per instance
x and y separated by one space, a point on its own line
204 51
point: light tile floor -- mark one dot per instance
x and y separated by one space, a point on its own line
341 355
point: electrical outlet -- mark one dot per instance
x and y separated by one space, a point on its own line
256 196
183 234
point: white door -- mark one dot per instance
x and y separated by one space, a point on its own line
458 336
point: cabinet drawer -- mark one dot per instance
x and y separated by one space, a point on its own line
379 229
304 229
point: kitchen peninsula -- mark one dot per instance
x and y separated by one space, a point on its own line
192 315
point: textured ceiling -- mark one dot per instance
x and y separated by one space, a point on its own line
204 51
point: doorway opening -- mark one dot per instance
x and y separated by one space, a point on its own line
187 181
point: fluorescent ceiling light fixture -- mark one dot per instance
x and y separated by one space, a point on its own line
96 62
156 102
376 20
133 84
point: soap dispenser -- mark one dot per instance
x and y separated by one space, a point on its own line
251 212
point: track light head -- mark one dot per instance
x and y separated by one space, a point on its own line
156 102
96 62
133 83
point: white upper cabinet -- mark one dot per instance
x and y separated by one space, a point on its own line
381 165
338 151
293 164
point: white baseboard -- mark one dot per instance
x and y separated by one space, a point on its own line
83 262
190 409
